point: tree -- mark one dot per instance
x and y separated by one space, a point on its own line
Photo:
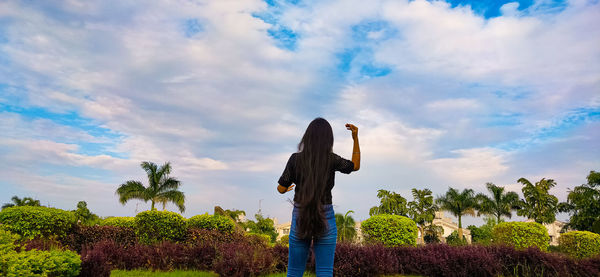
500 204
422 209
583 204
161 187
459 204
234 215
84 215
537 203
262 226
26 201
390 203
345 226
483 234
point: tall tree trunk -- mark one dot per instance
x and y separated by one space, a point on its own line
460 232
421 229
152 208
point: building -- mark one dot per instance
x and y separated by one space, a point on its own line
448 226
282 229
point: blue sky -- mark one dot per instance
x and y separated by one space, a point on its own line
455 93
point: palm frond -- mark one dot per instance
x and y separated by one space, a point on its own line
132 190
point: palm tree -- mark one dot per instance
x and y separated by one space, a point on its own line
345 226
538 204
458 204
500 204
161 187
422 209
26 201
390 203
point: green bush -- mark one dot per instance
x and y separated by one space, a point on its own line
580 244
157 226
40 263
259 239
7 241
391 230
521 235
35 262
212 222
31 222
284 240
453 239
118 221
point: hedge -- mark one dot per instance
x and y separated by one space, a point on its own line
521 235
31 222
118 221
212 222
390 230
580 244
35 262
157 226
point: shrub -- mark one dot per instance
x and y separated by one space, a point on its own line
391 230
31 222
81 236
373 260
580 244
453 239
212 222
119 221
244 259
7 241
40 263
284 240
156 226
210 237
258 239
521 235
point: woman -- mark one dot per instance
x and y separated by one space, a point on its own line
312 170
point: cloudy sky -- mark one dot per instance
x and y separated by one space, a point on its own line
455 93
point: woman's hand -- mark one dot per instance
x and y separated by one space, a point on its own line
283 189
352 128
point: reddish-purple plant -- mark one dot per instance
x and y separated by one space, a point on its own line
372 260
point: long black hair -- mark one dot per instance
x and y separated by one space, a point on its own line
313 163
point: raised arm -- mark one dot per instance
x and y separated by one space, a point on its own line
356 147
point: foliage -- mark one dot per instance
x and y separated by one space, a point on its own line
156 226
149 273
345 227
583 203
500 204
432 233
212 222
84 216
161 187
521 235
459 204
285 240
262 226
454 240
235 215
258 239
82 236
580 244
119 221
389 203
483 234
422 209
17 202
374 260
40 263
15 263
538 204
31 221
391 230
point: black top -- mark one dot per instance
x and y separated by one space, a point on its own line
290 175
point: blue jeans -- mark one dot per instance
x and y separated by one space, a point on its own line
324 247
